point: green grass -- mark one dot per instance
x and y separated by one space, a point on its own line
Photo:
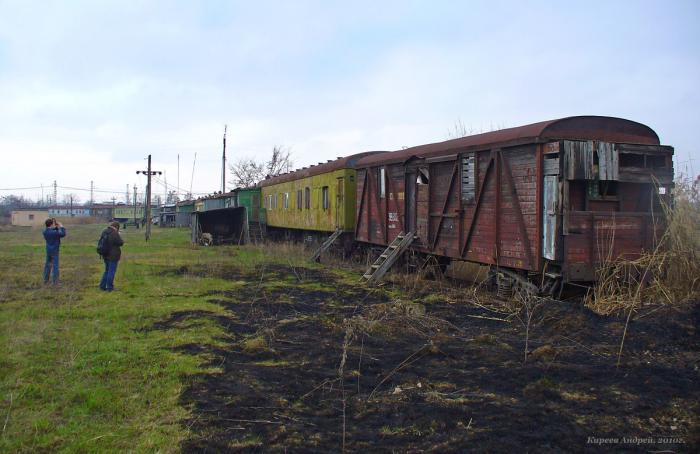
78 371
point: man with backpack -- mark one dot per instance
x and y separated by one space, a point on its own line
53 234
109 248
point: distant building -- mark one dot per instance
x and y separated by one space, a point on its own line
29 217
167 215
183 213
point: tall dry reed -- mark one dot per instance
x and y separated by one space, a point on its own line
669 274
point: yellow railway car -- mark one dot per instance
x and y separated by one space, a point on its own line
317 199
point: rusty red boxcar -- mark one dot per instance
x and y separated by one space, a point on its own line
553 199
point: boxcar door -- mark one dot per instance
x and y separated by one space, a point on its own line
422 203
339 204
550 217
410 221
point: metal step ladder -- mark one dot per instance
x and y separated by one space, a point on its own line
255 231
326 244
387 259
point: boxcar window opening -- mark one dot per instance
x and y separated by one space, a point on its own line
307 198
423 177
642 161
31 217
298 199
324 198
381 178
286 200
601 189
468 177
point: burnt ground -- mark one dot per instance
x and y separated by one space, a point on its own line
315 365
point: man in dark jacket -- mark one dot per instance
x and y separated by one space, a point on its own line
111 258
52 234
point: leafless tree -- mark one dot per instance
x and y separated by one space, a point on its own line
459 129
69 199
247 172
280 161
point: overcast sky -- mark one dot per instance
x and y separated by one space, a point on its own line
89 88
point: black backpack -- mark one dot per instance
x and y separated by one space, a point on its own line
103 245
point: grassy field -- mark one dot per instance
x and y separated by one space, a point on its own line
246 349
77 370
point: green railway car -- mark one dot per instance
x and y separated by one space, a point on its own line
319 199
250 199
128 212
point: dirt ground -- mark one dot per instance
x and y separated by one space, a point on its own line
316 365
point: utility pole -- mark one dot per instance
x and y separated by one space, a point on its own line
92 193
148 174
134 204
223 165
127 194
71 205
178 176
55 193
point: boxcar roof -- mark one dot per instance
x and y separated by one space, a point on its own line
347 162
588 127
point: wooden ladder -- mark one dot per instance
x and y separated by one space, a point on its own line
326 244
387 259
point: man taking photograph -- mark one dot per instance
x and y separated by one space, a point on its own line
110 249
52 234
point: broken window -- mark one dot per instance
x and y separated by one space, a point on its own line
325 201
423 176
307 198
468 177
286 200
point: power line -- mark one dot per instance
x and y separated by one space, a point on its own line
172 186
104 191
20 189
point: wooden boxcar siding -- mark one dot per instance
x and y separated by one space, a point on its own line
500 226
315 218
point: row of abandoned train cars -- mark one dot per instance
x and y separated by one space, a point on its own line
546 203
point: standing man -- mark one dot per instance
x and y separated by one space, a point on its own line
111 254
52 234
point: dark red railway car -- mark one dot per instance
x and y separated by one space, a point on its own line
555 198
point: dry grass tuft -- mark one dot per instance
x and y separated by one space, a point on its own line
670 274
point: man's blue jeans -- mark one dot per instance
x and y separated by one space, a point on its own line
51 262
107 282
